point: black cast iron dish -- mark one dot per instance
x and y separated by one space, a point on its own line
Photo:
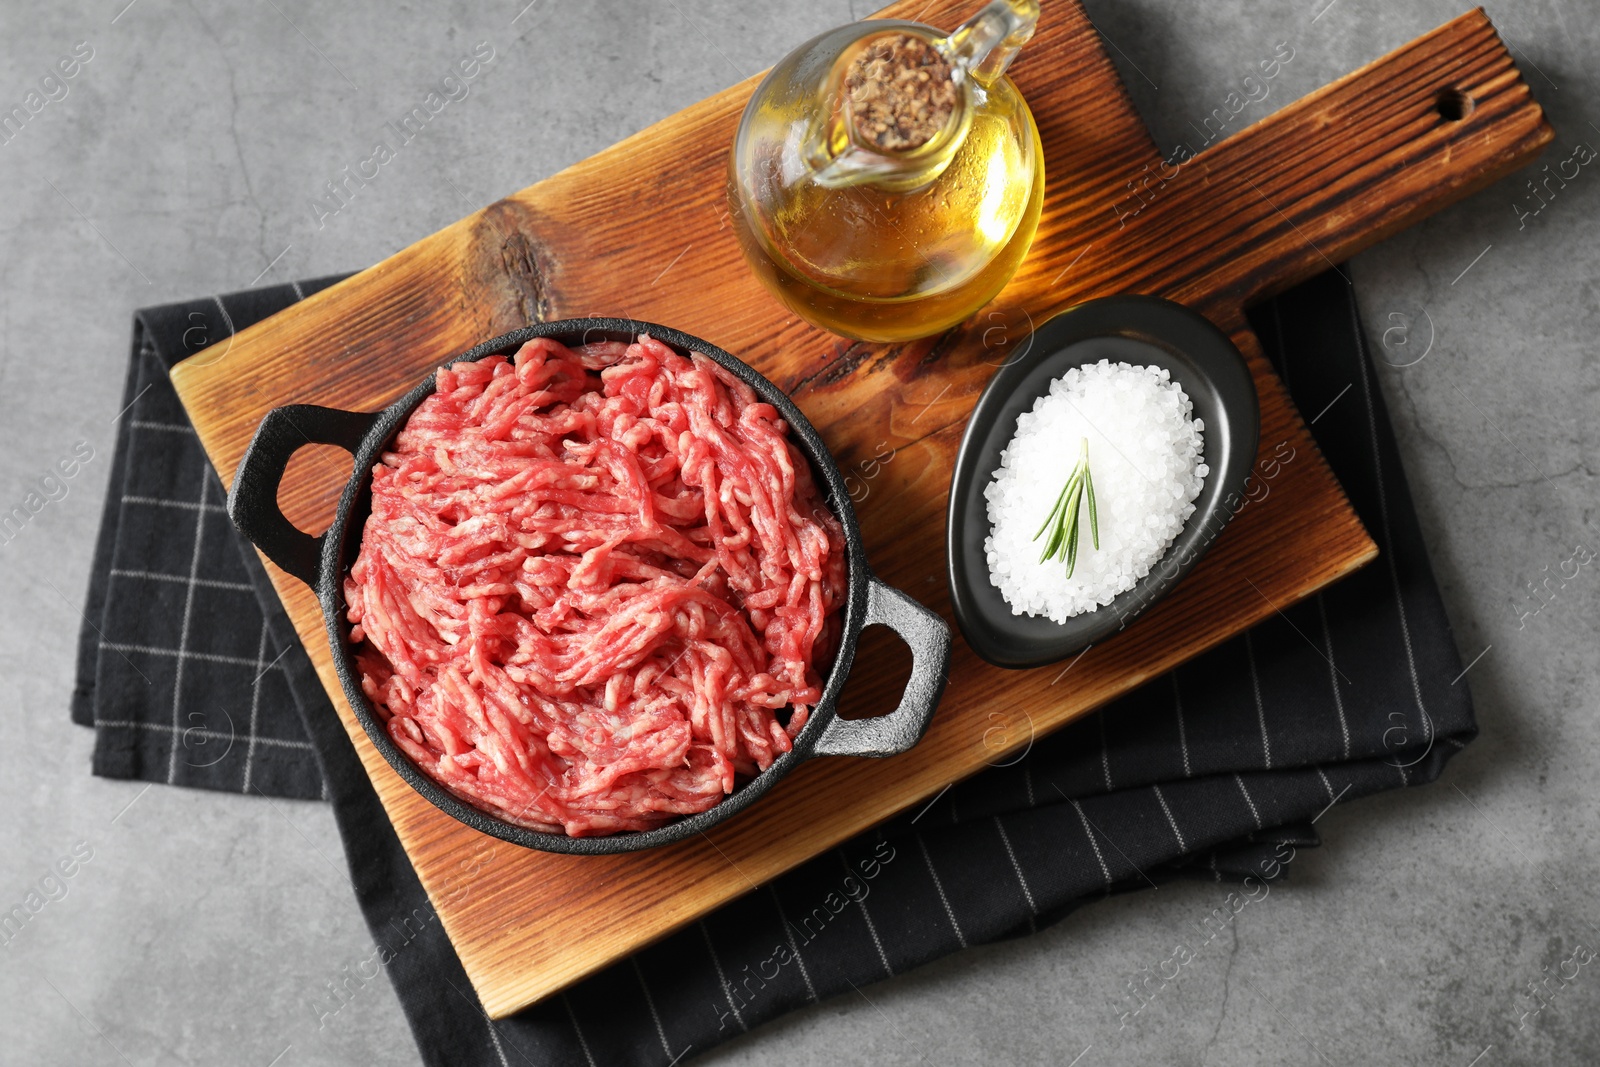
322 563
1144 331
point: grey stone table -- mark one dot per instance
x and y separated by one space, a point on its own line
186 157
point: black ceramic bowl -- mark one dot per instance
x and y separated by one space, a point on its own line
322 562
1144 331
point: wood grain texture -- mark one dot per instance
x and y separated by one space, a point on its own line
1256 213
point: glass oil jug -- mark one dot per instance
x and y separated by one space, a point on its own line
887 178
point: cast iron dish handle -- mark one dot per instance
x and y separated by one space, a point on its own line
253 500
929 638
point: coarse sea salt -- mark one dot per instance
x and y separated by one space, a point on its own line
1146 456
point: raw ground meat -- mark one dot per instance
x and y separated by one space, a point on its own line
592 582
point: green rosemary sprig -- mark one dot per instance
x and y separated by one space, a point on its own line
1063 520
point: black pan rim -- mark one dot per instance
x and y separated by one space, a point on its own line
334 564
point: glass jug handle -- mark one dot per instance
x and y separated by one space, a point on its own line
986 43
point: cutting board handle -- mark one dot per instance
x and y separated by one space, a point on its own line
253 498
1307 187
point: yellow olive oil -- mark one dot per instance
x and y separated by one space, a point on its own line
878 245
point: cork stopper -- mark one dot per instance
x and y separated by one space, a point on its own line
901 92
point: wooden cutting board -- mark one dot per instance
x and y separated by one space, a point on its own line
641 230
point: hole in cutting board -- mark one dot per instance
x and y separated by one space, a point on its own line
312 482
878 676
1454 105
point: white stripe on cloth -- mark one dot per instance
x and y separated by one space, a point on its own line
961 938
1105 752
872 928
210 735
1327 784
1173 822
1333 674
1255 814
183 630
794 946
255 703
1383 503
204 583
1183 735
1015 866
583 1042
1089 833
722 976
225 316
209 657
1261 709
494 1037
187 505
650 1002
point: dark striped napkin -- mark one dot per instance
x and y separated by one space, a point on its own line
177 671
190 674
